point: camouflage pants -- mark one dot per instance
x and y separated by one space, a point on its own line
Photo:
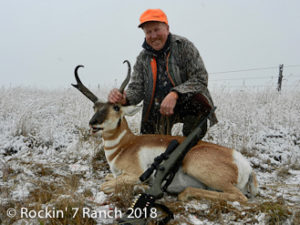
188 111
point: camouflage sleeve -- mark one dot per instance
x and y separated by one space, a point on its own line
135 92
196 74
196 77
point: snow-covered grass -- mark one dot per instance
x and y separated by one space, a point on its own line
48 159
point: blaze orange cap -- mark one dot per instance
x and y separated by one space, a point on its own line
153 15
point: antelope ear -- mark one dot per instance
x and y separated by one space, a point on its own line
131 110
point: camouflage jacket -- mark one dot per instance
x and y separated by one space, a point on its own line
185 67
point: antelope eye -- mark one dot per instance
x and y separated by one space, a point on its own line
116 108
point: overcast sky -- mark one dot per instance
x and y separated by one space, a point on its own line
43 40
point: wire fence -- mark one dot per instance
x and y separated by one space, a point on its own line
254 77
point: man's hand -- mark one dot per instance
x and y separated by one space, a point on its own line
115 96
168 104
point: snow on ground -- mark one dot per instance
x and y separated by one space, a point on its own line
48 159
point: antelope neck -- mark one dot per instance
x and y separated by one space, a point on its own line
115 140
115 134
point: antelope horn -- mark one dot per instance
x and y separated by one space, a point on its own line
126 81
83 89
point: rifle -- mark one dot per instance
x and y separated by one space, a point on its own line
166 165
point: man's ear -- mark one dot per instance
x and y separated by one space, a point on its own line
130 110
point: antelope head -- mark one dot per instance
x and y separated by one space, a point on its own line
107 116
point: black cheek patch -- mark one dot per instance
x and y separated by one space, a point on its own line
119 122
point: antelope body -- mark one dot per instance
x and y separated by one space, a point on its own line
208 170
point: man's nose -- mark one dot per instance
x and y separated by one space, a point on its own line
153 35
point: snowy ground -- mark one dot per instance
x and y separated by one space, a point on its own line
49 161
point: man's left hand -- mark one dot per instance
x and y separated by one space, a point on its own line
168 104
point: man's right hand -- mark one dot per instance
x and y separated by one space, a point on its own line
115 96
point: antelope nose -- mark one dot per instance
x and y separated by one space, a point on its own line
91 123
94 119
97 118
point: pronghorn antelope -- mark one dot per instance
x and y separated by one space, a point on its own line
208 170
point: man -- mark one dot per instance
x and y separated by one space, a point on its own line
170 77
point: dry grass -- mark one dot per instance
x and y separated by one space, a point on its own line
84 134
223 212
60 194
283 172
248 152
68 219
72 182
42 171
43 194
99 161
50 195
295 166
277 212
123 196
7 171
296 219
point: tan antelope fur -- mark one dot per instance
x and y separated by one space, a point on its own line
207 171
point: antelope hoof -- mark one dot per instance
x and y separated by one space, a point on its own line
109 177
138 188
243 198
108 187
183 196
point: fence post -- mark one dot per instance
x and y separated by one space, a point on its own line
280 77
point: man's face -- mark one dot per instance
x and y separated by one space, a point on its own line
156 34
